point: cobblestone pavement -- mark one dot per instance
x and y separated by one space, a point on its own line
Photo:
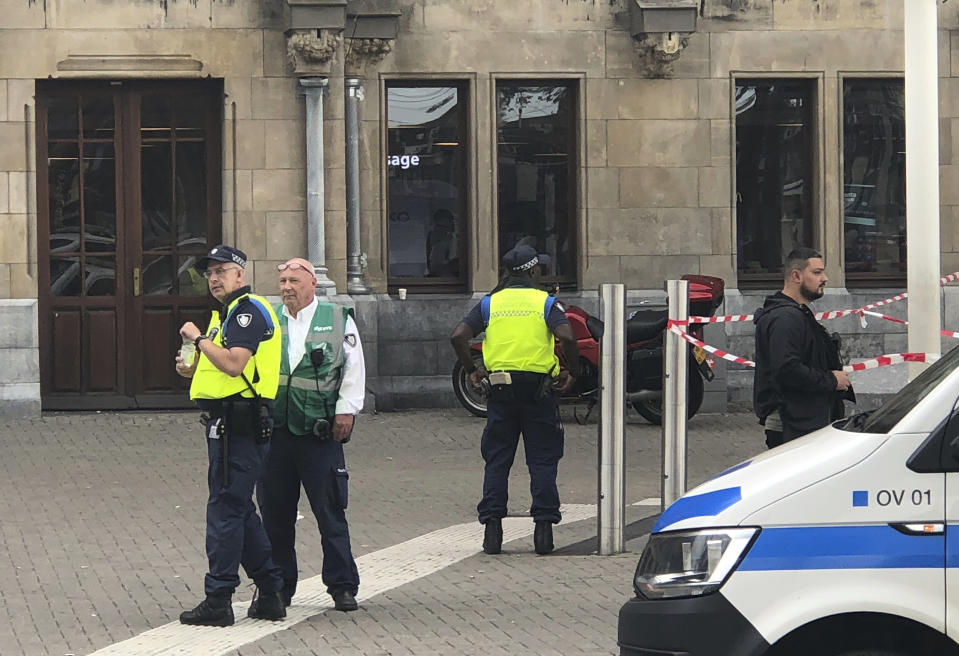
104 520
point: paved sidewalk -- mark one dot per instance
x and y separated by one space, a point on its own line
104 522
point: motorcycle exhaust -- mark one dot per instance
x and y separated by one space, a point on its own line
644 395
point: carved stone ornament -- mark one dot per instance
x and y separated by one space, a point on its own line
367 52
658 51
311 49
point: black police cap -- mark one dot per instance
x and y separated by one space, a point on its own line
524 258
221 253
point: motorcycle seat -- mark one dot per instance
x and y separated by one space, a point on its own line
645 324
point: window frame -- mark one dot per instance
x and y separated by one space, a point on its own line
859 280
814 147
575 167
465 93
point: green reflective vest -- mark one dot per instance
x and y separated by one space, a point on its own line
262 370
517 337
308 393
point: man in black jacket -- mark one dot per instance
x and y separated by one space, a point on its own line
799 383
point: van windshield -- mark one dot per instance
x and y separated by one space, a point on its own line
889 414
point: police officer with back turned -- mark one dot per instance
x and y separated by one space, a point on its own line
322 387
523 374
234 382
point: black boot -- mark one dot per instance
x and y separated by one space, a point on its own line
266 606
212 611
344 600
543 537
493 537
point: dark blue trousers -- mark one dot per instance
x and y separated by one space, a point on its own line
542 430
234 534
321 468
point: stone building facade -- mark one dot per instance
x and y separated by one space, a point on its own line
137 133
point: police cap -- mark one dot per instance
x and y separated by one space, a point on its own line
221 253
523 258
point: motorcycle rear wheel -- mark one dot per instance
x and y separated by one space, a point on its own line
471 398
652 409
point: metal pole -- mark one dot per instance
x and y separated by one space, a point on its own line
313 89
922 178
674 397
612 474
354 255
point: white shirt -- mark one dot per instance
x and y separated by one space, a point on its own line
353 383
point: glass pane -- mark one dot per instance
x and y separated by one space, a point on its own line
156 116
426 164
773 184
99 198
101 276
64 197
191 193
98 117
156 190
190 116
191 283
157 274
874 182
534 152
65 276
62 118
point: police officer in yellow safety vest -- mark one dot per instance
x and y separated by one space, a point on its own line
523 373
322 388
234 383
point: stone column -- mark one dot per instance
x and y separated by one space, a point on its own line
355 284
313 89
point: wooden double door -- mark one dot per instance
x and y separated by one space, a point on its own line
128 189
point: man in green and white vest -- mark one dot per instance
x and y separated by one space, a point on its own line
322 388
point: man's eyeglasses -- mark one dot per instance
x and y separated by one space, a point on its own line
292 266
218 272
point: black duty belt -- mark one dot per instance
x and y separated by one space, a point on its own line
521 376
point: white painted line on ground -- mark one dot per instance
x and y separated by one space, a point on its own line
380 571
649 501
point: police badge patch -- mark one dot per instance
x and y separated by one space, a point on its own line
350 339
244 320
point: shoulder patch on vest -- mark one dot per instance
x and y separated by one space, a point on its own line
350 339
244 320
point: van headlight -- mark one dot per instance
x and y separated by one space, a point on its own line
690 563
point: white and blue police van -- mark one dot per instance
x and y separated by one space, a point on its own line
844 542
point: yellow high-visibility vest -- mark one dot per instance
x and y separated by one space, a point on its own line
517 337
263 369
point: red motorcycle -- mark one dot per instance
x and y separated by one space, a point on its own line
645 331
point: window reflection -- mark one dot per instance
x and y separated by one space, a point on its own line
874 178
773 174
81 192
536 179
426 162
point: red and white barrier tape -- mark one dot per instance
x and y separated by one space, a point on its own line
881 361
885 316
892 358
675 327
835 314
944 333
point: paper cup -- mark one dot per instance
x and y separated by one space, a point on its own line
401 292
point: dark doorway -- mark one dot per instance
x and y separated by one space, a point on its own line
128 188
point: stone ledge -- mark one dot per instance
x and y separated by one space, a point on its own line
20 401
18 324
